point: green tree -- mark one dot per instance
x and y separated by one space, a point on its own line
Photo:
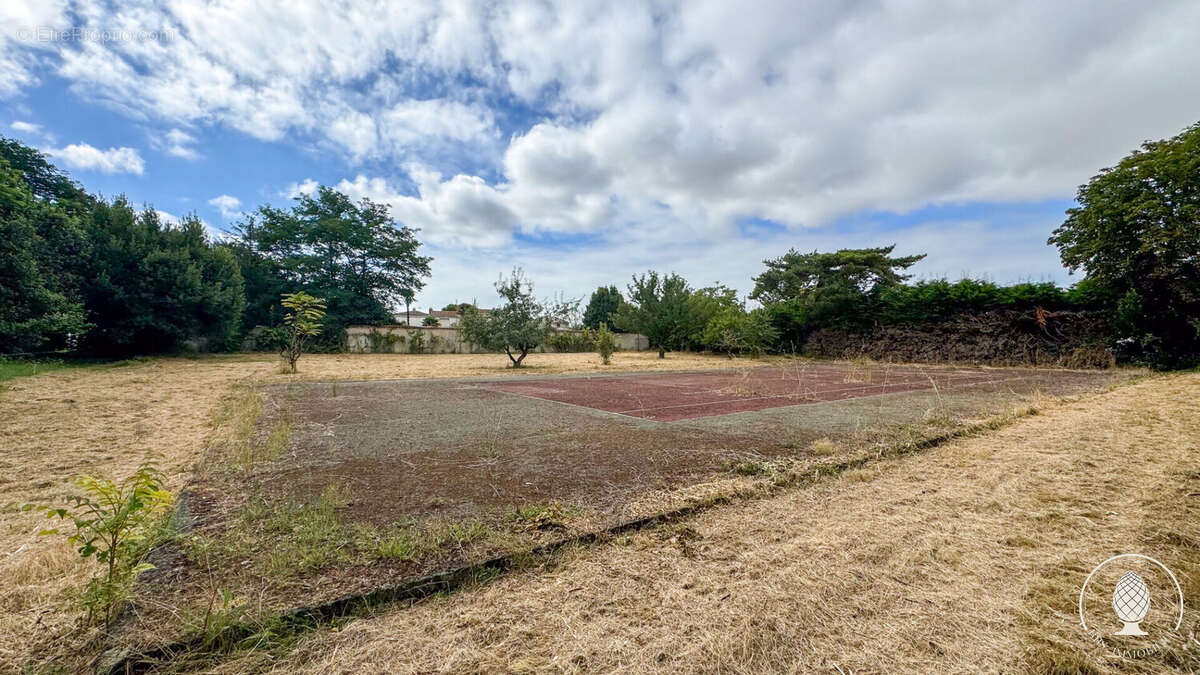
303 321
733 330
457 307
519 325
602 307
430 321
37 309
1136 235
606 343
115 523
352 254
658 308
155 287
829 290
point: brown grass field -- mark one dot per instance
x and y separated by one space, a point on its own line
107 420
963 558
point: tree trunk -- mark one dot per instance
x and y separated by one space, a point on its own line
662 353
517 363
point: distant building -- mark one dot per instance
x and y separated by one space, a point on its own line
445 318
411 318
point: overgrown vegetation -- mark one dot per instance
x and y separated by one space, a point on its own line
115 524
606 344
303 322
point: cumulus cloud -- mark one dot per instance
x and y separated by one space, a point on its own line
711 111
177 143
26 127
87 157
487 124
227 205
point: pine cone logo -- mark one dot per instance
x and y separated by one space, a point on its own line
1131 602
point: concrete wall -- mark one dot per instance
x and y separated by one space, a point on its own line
399 339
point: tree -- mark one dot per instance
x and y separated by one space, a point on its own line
602 307
155 287
457 307
352 254
303 322
430 321
519 325
1136 235
658 308
734 330
38 307
606 344
829 290
72 265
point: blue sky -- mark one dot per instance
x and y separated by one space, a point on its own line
596 140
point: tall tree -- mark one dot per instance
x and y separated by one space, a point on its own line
351 254
1136 234
602 307
36 310
156 287
657 307
832 290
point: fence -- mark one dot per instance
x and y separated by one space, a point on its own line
400 339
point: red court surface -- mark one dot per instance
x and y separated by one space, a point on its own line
668 397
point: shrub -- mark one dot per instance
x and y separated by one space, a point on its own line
303 322
606 344
417 342
115 524
383 342
573 341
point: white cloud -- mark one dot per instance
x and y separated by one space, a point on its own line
177 143
661 124
26 127
304 187
213 233
227 205
87 157
800 116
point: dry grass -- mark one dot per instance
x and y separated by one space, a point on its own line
966 558
108 420
402 366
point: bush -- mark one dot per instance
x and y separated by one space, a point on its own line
606 344
417 342
573 341
380 342
264 339
115 524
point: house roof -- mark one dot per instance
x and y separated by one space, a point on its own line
414 312
450 314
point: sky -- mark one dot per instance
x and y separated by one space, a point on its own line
589 141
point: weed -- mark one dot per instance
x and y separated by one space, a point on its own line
824 446
544 516
115 523
749 467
